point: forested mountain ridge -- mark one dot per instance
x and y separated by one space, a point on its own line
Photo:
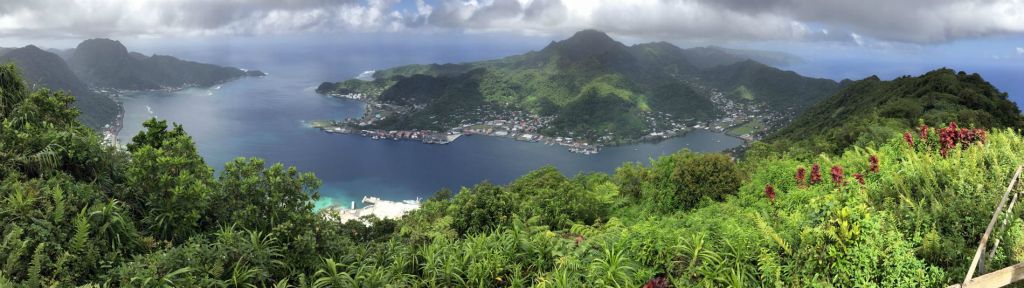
873 110
45 69
592 85
105 63
891 214
99 64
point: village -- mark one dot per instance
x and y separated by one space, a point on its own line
516 128
745 120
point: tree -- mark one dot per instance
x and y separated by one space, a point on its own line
685 178
484 207
170 187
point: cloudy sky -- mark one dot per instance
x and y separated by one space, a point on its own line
955 31
860 22
838 38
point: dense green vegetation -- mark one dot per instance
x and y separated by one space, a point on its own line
893 213
593 84
780 90
873 111
45 69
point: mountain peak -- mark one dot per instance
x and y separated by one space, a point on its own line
590 38
591 34
102 44
31 48
584 43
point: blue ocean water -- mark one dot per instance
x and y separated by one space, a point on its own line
264 117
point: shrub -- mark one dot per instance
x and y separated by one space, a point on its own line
691 177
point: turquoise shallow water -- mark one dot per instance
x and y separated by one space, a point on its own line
265 117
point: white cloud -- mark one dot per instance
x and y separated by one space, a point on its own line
914 21
1020 50
857 39
60 18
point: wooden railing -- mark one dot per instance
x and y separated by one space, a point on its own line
1001 277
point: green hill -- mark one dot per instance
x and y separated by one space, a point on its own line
104 63
580 80
872 110
45 69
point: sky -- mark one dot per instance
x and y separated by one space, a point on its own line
903 33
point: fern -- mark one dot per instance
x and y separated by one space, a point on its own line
58 204
35 269
768 232
81 237
15 248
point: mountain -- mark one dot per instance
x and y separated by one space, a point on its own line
63 53
714 56
780 90
45 69
872 110
593 86
104 63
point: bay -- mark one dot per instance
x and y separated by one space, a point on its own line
265 117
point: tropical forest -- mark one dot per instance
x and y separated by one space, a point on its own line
882 184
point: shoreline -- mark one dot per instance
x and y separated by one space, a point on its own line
419 136
520 127
383 209
112 130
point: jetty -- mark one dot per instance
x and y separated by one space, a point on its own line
383 209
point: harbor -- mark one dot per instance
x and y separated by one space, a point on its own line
374 206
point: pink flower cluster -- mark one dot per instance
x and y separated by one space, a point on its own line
837 175
859 177
801 173
952 136
815 174
836 172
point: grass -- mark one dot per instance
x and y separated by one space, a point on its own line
744 93
747 128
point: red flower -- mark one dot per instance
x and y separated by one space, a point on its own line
909 139
873 163
659 281
837 175
980 135
801 173
815 174
965 138
924 133
769 192
859 177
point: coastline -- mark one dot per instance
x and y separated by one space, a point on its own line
377 207
747 122
112 130
501 128
518 126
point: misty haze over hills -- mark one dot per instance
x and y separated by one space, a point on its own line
102 64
